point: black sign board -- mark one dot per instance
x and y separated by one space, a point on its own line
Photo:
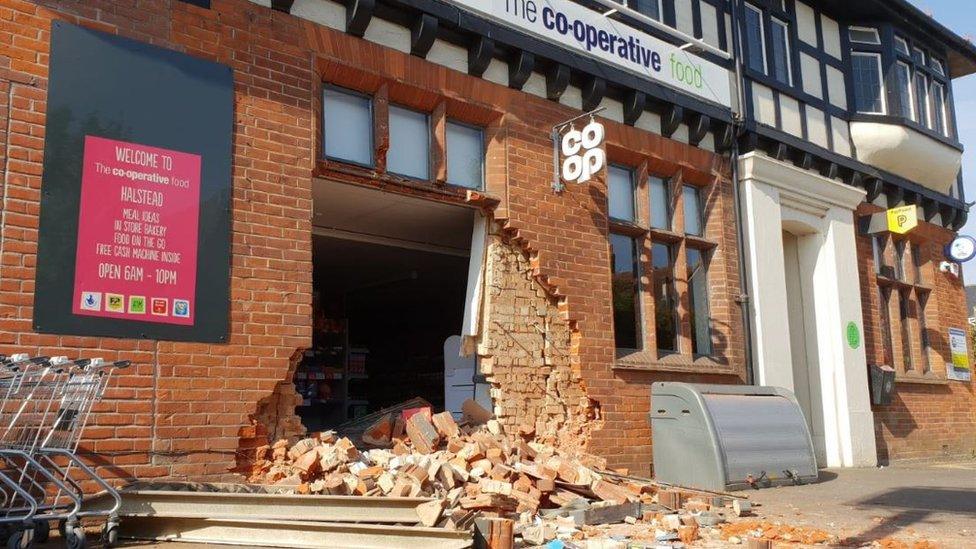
134 237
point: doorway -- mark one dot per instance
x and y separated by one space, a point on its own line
390 285
800 239
798 268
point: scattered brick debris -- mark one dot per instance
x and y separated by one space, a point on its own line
477 472
774 531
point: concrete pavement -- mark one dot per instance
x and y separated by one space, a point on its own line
932 501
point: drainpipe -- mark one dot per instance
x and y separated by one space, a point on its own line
738 128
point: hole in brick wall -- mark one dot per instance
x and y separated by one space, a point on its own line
390 274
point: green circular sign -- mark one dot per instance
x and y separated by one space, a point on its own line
853 335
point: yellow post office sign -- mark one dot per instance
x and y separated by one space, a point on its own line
903 219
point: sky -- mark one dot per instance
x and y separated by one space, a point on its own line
960 16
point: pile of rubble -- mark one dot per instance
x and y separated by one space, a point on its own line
473 470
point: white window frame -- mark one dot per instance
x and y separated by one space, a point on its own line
789 56
936 85
923 58
762 38
872 30
925 118
911 89
884 104
902 41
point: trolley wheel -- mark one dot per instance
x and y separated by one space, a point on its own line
76 538
110 534
20 539
42 531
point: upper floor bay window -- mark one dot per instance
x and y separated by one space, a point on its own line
347 120
894 75
868 82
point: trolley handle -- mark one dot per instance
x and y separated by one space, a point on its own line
40 360
82 362
117 365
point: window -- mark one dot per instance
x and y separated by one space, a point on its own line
868 86
626 292
782 69
902 298
671 254
864 35
650 8
409 152
938 114
755 39
901 46
900 259
347 126
877 249
938 66
701 333
692 210
904 317
665 297
923 300
884 306
465 155
918 56
621 191
917 262
922 99
906 99
660 201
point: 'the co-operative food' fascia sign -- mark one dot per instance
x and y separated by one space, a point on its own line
582 29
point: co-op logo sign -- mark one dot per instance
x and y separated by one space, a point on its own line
583 154
586 31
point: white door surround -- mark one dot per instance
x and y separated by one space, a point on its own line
817 216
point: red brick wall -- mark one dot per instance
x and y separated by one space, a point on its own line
183 408
179 410
929 416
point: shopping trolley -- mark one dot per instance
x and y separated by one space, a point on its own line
46 406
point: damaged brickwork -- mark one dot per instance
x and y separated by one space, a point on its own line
529 352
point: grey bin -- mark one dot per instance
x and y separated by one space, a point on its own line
717 437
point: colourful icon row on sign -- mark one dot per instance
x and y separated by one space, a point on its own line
134 305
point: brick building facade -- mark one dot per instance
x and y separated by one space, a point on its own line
545 335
